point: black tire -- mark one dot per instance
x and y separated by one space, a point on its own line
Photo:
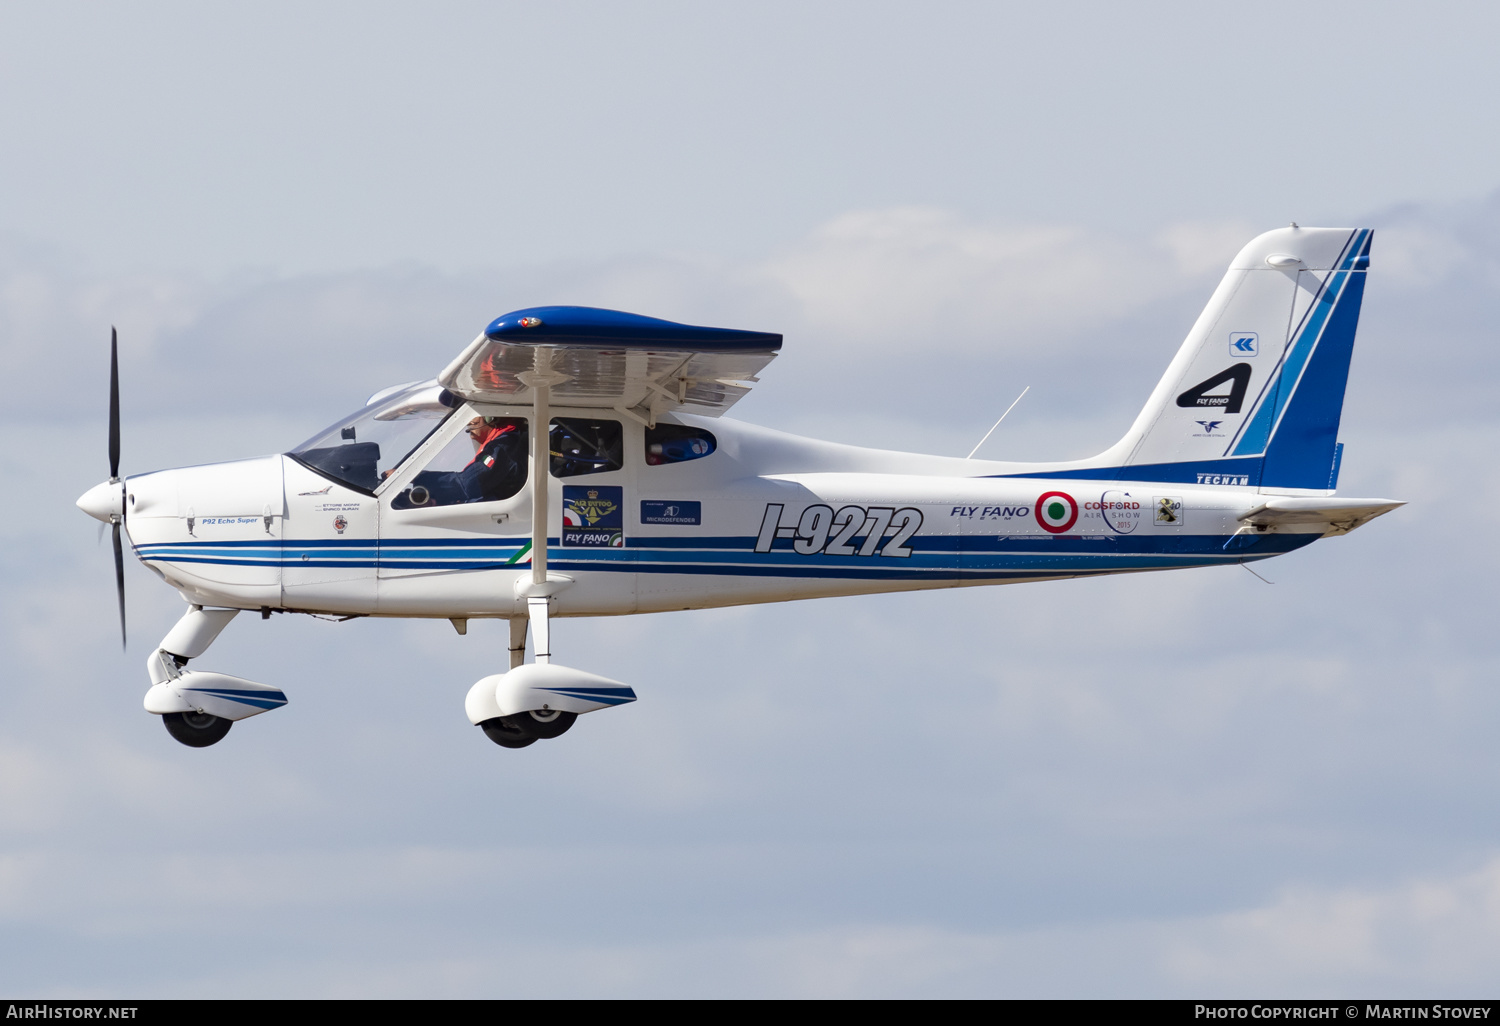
506 733
544 725
195 729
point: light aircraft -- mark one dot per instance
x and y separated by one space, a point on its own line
424 503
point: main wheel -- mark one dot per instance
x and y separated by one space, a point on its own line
506 733
522 729
195 729
545 725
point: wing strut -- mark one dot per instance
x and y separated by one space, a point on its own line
517 641
539 601
541 389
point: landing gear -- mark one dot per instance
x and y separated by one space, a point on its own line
199 706
543 725
523 729
534 701
196 729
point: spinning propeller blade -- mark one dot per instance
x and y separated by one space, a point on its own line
120 580
114 469
114 405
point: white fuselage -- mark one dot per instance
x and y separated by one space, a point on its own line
767 517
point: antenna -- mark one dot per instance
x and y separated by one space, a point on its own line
1246 567
991 431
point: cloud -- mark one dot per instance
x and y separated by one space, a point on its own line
1412 939
923 280
1149 785
920 310
1404 939
901 279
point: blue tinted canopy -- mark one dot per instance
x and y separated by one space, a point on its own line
606 359
593 328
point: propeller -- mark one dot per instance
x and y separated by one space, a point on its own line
114 471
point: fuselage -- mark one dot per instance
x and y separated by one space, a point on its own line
764 517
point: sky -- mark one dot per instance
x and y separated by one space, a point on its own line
1170 785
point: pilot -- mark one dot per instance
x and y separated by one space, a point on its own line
497 471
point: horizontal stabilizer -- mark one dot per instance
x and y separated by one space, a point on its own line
1340 515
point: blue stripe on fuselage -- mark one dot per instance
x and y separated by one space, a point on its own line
933 557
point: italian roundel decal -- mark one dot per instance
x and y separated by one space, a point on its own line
1056 512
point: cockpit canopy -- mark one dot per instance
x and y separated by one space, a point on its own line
360 450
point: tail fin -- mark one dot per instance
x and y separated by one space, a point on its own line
1254 395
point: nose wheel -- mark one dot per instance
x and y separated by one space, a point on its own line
522 729
196 729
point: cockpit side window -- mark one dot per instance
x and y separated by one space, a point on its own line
486 462
677 443
585 446
362 449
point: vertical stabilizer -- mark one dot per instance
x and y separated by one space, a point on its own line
1254 395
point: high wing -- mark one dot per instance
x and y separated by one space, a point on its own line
637 366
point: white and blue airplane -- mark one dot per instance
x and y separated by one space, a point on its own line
426 503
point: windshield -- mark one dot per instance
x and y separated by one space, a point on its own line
367 445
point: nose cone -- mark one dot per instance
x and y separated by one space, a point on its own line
104 500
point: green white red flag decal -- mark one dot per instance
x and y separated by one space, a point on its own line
1056 512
